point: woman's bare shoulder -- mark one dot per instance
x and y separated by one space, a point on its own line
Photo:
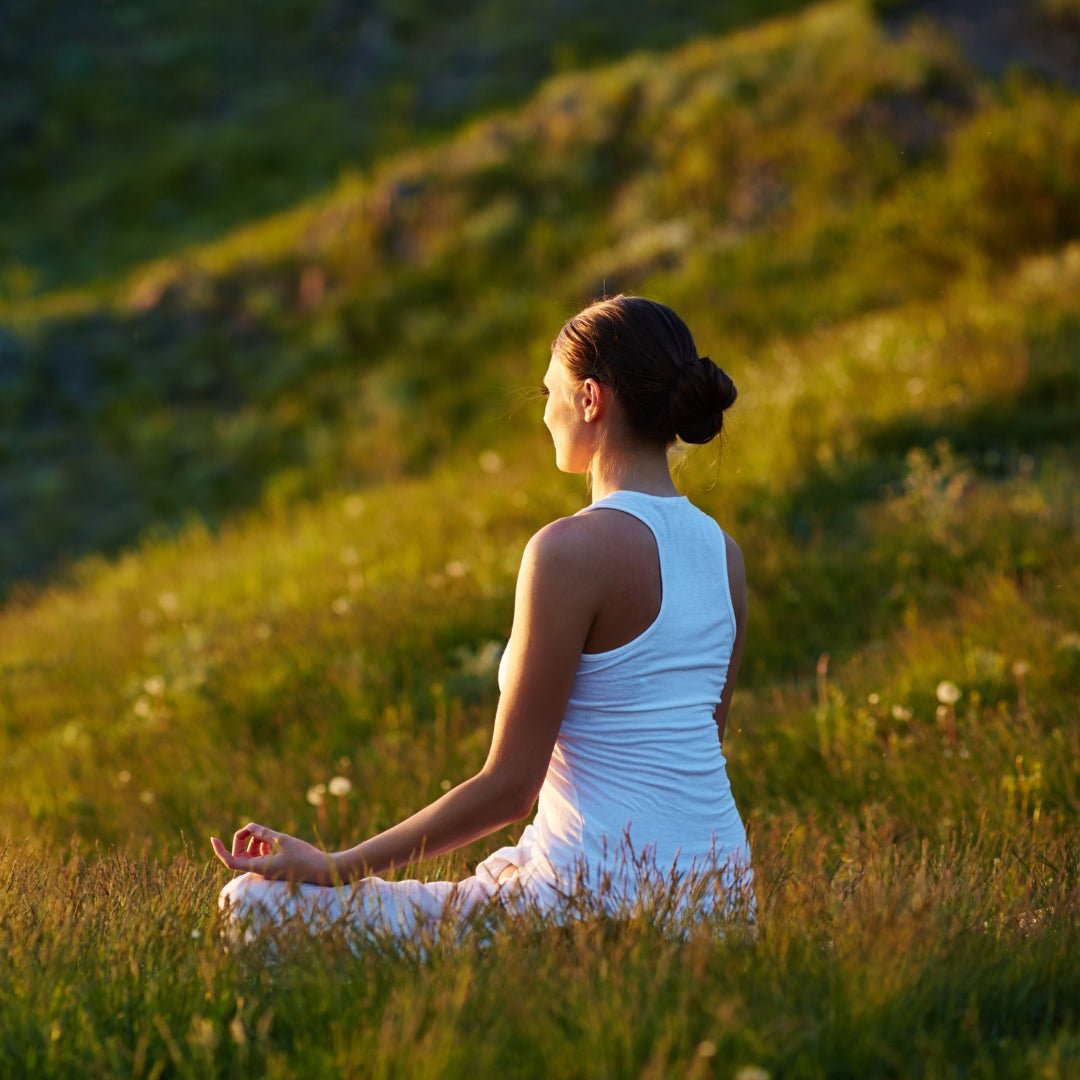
567 542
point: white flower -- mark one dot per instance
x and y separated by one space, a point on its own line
316 794
948 693
154 686
901 712
752 1072
1021 668
339 786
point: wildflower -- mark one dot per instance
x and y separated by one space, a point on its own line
339 786
455 568
154 686
341 606
873 699
146 797
123 776
445 784
706 1049
901 712
948 693
143 708
316 794
196 934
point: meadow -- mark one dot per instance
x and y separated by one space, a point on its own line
266 496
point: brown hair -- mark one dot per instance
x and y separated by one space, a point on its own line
646 354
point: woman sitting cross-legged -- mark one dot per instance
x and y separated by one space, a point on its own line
615 684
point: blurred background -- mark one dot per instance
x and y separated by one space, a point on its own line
276 290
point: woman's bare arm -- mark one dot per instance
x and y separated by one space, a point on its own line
737 583
556 601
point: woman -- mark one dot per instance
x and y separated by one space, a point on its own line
627 636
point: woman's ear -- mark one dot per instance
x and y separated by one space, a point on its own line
594 396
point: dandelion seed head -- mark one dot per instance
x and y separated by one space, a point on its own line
339 786
154 686
341 606
752 1072
948 693
316 794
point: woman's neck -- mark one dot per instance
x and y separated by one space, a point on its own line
643 469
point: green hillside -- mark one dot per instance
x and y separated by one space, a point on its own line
129 130
264 500
786 178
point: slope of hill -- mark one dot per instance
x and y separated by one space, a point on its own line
796 174
132 130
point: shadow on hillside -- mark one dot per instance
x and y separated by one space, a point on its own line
844 579
110 426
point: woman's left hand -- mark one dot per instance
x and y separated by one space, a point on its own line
276 855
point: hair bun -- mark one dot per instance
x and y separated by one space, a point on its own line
699 398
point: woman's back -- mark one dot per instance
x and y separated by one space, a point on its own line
637 775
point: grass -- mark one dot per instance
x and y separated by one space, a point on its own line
881 249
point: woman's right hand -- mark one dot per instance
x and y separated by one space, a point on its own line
276 855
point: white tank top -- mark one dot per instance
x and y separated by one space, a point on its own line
637 777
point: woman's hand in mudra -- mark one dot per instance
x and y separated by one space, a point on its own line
259 850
